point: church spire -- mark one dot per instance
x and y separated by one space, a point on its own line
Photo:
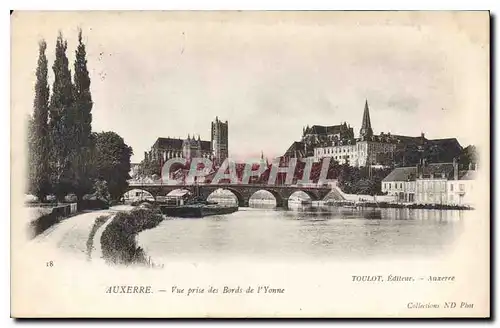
366 126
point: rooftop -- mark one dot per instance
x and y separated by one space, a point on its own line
325 130
402 174
434 170
174 143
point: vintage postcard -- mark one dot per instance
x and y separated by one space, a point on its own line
176 164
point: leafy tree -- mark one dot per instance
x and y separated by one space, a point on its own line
112 162
348 177
377 175
81 152
101 190
150 167
61 122
434 154
38 137
361 180
408 154
468 155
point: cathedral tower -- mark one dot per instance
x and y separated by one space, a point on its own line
219 140
366 127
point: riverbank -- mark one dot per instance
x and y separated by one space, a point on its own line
118 240
417 206
99 222
394 205
42 216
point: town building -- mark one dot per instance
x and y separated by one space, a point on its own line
433 183
401 183
342 153
461 189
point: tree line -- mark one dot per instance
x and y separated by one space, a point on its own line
64 155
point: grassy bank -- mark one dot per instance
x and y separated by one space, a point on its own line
50 214
90 242
118 239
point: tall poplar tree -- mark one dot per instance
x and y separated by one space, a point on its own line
61 122
81 153
39 172
82 95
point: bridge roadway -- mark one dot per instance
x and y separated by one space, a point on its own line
243 192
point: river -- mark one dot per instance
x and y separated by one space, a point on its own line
341 233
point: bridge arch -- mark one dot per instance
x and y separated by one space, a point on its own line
299 193
240 199
178 191
277 196
137 195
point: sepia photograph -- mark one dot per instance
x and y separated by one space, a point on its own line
261 164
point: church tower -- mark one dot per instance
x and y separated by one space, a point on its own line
366 127
219 140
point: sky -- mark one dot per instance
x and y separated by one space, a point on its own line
164 74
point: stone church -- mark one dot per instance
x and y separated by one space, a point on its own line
192 147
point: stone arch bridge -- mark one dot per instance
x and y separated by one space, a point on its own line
243 192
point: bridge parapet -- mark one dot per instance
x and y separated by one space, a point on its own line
243 192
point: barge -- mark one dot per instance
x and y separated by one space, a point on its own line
197 209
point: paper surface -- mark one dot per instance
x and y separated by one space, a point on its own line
269 74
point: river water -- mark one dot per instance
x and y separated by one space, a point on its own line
306 232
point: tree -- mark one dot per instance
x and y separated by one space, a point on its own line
82 96
101 190
30 142
38 138
408 154
61 122
468 156
150 167
361 180
81 152
112 162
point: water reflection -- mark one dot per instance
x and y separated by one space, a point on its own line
318 232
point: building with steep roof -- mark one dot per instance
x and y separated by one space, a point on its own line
323 136
401 183
166 148
296 150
